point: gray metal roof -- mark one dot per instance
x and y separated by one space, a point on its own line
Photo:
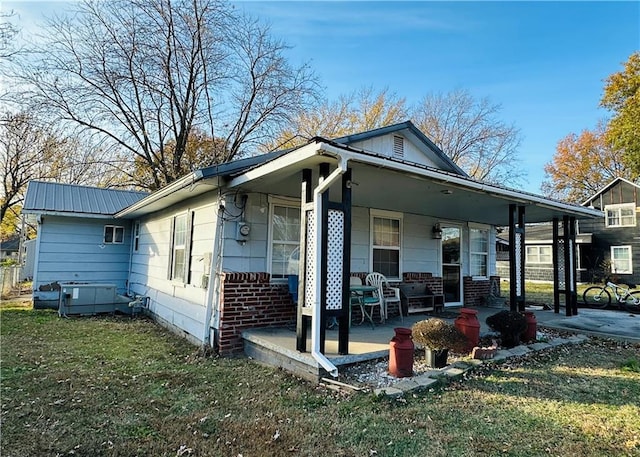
52 198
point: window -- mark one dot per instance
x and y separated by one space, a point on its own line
386 229
179 248
478 251
285 240
622 215
113 234
136 236
539 255
621 259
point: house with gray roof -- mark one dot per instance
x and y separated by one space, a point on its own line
213 252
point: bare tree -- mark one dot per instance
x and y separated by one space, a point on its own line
358 111
470 133
144 73
8 31
30 149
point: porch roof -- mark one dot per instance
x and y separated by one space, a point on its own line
378 182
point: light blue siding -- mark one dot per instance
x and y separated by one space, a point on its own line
73 250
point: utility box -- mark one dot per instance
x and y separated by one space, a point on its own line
87 299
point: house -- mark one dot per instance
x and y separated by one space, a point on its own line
9 248
615 239
211 253
607 246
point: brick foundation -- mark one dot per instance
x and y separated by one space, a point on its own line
251 301
476 291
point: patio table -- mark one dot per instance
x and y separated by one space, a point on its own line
358 292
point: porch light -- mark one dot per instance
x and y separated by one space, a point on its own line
436 232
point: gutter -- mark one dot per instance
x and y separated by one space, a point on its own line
315 321
175 186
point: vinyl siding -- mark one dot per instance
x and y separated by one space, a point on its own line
72 250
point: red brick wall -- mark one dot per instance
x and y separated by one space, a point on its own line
477 291
250 301
434 283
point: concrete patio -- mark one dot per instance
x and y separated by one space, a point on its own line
276 346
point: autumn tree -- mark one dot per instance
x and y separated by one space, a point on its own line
143 74
361 110
470 132
622 96
582 165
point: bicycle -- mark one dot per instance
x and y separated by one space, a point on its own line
600 296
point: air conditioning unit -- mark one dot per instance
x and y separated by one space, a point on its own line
88 299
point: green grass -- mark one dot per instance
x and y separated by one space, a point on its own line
541 293
115 386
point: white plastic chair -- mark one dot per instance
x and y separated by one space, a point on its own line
380 281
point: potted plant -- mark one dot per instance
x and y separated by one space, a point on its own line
510 324
438 337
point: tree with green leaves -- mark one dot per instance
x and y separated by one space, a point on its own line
622 97
144 74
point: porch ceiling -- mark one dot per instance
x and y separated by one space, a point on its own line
382 187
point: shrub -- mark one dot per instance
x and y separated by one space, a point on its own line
507 322
438 334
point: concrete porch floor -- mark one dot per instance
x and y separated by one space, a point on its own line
277 346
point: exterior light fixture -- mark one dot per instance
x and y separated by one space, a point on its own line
436 232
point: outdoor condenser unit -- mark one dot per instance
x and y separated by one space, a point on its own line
88 299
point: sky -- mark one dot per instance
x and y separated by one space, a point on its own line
545 63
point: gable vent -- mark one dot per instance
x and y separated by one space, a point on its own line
398 146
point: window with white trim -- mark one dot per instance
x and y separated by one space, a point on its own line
179 249
621 260
540 255
113 234
386 243
285 240
621 215
136 236
478 252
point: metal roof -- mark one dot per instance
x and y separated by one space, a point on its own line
55 198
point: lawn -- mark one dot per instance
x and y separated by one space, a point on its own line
116 386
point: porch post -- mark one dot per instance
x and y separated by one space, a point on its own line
556 267
569 238
516 255
345 315
304 312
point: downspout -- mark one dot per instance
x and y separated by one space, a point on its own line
315 321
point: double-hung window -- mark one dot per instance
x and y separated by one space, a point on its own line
113 234
539 255
621 260
179 248
285 240
386 243
479 252
621 215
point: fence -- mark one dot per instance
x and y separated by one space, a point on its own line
10 279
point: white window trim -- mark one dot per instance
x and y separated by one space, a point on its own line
277 201
486 253
136 236
114 228
187 247
537 247
619 207
387 215
627 247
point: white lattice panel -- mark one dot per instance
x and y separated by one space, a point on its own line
335 232
571 266
560 266
310 275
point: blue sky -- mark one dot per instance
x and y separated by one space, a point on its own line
544 62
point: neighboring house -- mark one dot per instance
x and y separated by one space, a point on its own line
539 265
615 245
213 250
9 248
